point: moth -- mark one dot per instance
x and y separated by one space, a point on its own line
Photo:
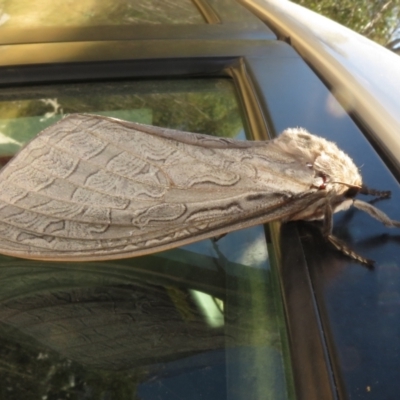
96 188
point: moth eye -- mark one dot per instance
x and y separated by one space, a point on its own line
309 165
351 192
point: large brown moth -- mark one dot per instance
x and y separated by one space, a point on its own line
96 188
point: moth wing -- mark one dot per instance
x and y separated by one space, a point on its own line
93 188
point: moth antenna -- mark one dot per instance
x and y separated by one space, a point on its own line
347 184
376 213
346 250
373 192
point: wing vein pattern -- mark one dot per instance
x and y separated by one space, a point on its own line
92 188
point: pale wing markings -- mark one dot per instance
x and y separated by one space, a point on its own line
235 161
34 180
34 222
87 194
137 169
206 141
106 181
75 151
240 208
38 201
130 141
252 151
231 166
153 217
118 248
203 174
121 143
16 248
123 247
161 212
42 243
31 179
103 179
38 224
80 143
262 161
177 148
14 193
61 208
84 195
71 211
54 243
101 163
158 219
185 177
124 147
210 175
78 234
32 247
179 151
51 243
53 207
26 200
84 169
170 137
211 214
36 153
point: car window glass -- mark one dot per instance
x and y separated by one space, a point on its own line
203 106
29 14
202 321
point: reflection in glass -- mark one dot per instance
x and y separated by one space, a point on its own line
198 322
203 106
42 13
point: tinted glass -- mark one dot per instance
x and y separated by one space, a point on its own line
203 321
29 14
359 307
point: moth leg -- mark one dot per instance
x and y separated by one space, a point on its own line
346 250
218 237
376 213
328 220
337 243
221 262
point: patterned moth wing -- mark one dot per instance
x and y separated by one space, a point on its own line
94 188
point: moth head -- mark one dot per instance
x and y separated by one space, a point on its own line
334 171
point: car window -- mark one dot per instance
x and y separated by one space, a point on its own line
203 106
202 321
27 14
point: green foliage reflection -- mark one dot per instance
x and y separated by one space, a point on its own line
376 20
